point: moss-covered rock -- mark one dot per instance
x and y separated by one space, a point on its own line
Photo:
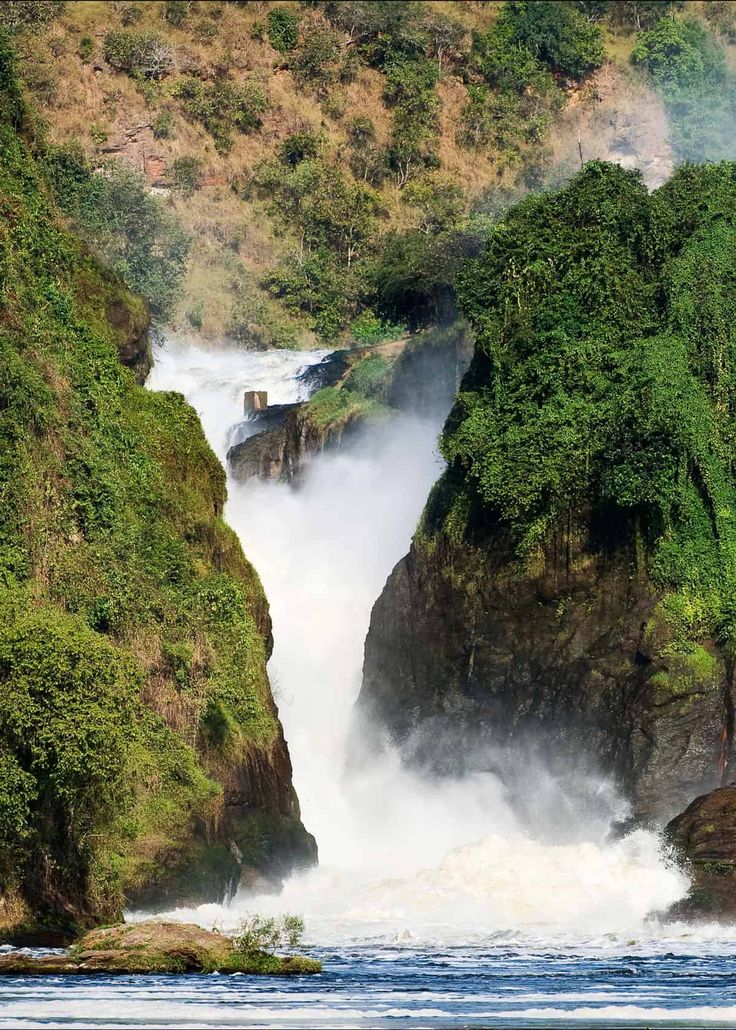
152 947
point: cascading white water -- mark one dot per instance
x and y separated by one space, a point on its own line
397 854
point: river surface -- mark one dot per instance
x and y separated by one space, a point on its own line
436 903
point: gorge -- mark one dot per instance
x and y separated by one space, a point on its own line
367 500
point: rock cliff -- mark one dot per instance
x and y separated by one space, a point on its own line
568 590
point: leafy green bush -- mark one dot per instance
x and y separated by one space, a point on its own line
176 12
163 125
222 107
369 328
555 34
141 54
186 174
130 14
368 377
261 934
688 66
282 29
86 48
114 211
315 60
298 147
29 15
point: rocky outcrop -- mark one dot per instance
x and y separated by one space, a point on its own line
153 947
704 837
281 451
470 664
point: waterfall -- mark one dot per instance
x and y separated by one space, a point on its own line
398 855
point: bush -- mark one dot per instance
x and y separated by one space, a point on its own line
681 56
260 934
186 175
163 125
130 14
114 211
282 29
141 54
29 15
86 48
299 147
555 34
176 12
315 60
222 107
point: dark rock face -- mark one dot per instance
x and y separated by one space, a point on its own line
466 660
281 449
704 835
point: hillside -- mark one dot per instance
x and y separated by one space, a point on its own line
329 163
141 755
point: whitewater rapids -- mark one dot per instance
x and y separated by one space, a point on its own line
401 859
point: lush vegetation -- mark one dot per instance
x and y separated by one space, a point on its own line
133 632
603 388
265 97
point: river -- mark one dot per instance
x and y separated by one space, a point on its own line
435 903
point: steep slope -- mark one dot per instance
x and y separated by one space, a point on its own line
570 589
328 158
141 755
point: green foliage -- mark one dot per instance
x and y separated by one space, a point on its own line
186 175
314 62
333 407
176 12
86 48
130 14
163 125
299 147
222 107
688 66
29 15
555 34
131 231
368 328
127 610
141 54
368 377
602 387
438 201
282 29
257 933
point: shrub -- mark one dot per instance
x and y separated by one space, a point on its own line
315 59
681 56
555 34
141 54
299 147
257 933
29 15
163 125
130 14
223 106
282 29
114 211
176 12
86 48
186 175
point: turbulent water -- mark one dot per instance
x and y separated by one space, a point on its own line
434 904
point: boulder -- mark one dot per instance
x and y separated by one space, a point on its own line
704 838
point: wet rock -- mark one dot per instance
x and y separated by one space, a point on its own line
153 947
472 664
704 837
